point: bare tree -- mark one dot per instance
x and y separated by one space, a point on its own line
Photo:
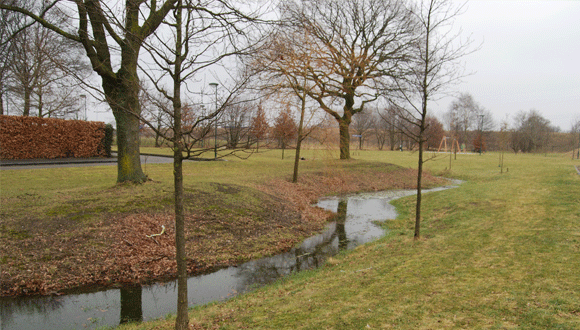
259 126
285 128
283 62
112 44
390 123
43 69
434 132
503 143
435 68
575 137
380 129
155 111
357 45
10 23
462 116
236 120
201 35
361 124
531 133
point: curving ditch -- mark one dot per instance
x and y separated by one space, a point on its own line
355 224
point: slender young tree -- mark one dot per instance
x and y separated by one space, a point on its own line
259 126
575 138
435 68
285 128
196 33
283 63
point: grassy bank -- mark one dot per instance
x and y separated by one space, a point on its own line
74 227
500 252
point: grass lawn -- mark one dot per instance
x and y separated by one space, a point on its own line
63 228
500 252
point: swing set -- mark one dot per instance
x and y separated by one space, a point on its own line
454 144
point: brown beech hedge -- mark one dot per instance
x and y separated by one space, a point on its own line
33 137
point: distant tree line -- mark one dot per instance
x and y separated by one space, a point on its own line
39 69
255 125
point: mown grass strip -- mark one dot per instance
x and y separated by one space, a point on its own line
500 252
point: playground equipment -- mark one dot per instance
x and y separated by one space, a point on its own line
454 144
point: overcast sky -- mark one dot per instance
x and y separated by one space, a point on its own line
529 58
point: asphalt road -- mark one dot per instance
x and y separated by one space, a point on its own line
19 164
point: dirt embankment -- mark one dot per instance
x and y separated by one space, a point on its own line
226 225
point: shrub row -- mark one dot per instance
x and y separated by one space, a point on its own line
33 137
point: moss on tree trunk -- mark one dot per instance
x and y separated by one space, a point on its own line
122 96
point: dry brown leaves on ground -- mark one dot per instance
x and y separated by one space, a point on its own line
121 250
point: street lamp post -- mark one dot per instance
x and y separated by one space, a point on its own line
84 97
481 136
578 155
203 114
215 86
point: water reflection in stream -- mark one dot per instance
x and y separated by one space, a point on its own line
354 225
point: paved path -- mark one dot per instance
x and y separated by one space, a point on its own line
19 164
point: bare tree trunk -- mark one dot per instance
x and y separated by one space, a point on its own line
344 139
122 97
300 132
131 304
27 95
182 320
283 148
417 234
392 138
340 225
40 105
129 157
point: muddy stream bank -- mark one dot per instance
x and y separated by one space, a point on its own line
354 224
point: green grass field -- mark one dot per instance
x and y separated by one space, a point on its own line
502 251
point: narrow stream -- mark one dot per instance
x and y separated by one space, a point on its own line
354 225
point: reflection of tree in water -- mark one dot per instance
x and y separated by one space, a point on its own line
28 305
340 219
310 254
131 307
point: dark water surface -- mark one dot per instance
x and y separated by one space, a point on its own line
354 225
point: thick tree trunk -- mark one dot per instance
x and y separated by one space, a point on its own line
131 304
27 96
122 98
344 139
128 154
340 225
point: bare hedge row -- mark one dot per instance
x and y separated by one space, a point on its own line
33 137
